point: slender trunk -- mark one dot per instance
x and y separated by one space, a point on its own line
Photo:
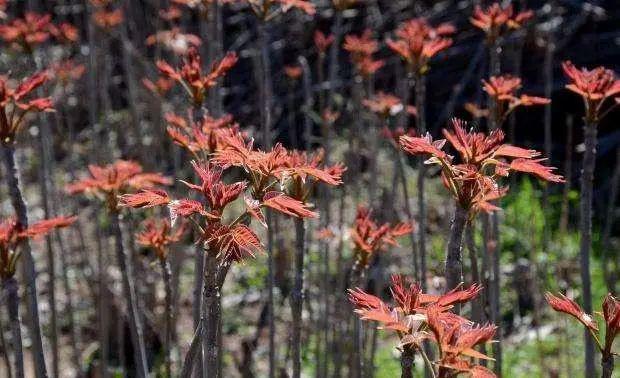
495 50
325 200
213 51
494 254
585 228
297 296
5 347
338 308
291 114
93 88
308 102
478 303
409 213
356 279
607 365
193 352
198 284
420 100
370 365
454 260
548 74
215 274
28 266
47 193
407 362
9 286
51 287
168 311
125 265
610 277
69 309
271 282
102 303
492 240
266 86
128 68
372 140
334 62
568 171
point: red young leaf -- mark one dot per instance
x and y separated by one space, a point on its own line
287 205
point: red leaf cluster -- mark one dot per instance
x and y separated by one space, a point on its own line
14 105
503 91
287 205
191 76
362 49
417 42
12 233
234 243
369 237
112 180
495 19
322 41
595 86
203 137
415 312
216 193
610 314
158 235
67 71
483 160
27 32
456 340
108 19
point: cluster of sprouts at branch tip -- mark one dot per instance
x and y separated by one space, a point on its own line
13 234
110 181
595 86
35 29
496 20
362 48
15 105
105 15
417 318
370 238
503 92
610 315
191 76
417 42
484 160
278 179
322 42
158 234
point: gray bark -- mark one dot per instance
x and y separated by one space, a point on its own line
125 265
607 364
407 362
585 228
9 286
27 261
297 296
167 277
420 100
454 259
